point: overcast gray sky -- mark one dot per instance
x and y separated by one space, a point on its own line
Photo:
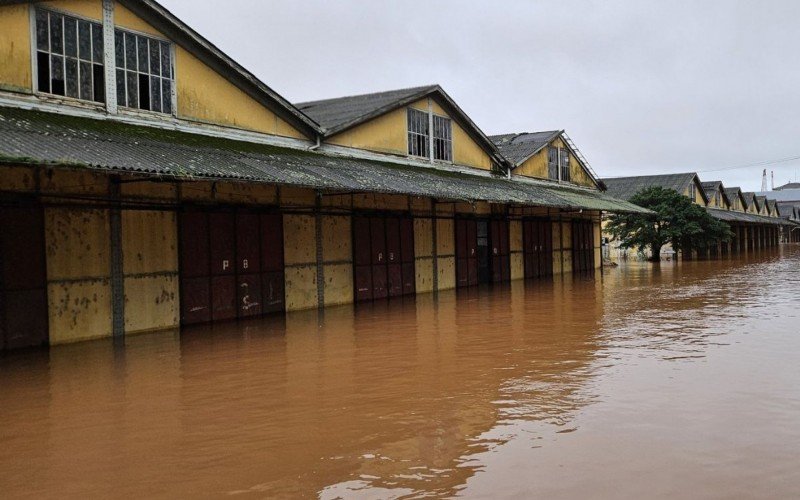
640 86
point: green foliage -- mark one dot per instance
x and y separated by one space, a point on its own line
675 219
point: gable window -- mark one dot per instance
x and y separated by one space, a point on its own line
558 164
564 165
421 143
145 76
442 138
69 56
418 136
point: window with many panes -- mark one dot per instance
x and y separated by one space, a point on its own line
558 164
145 77
69 56
419 135
565 176
442 138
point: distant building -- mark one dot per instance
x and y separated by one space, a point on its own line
791 185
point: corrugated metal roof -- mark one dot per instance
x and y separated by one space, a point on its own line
333 113
734 216
626 187
519 147
46 138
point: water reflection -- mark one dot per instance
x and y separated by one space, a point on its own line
407 398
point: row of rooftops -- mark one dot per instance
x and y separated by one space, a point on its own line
715 195
35 134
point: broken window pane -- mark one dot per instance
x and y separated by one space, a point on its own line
99 82
57 75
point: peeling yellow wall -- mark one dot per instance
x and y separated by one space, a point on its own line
77 248
447 273
297 197
337 247
300 257
423 251
445 237
15 48
517 266
151 303
338 284
69 181
515 247
536 166
149 242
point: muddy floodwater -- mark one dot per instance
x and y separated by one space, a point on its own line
675 382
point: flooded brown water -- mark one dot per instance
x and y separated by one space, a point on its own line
682 381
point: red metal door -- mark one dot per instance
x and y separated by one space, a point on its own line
462 254
380 279
272 277
222 242
394 257
23 290
194 268
407 250
494 253
248 264
472 247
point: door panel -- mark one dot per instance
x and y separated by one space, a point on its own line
409 278
195 300
194 251
272 292
363 282
248 243
379 282
395 283
222 232
272 242
407 239
23 290
249 298
223 297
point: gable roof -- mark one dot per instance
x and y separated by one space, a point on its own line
750 198
736 192
784 195
179 32
521 146
762 202
773 208
626 187
343 113
788 209
711 188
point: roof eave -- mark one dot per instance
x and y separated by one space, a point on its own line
164 21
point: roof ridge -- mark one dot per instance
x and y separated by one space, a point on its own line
382 92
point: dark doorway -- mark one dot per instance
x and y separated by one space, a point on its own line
482 253
231 265
383 255
537 242
582 246
23 278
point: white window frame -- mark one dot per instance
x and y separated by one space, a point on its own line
173 93
560 155
35 66
110 102
431 140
